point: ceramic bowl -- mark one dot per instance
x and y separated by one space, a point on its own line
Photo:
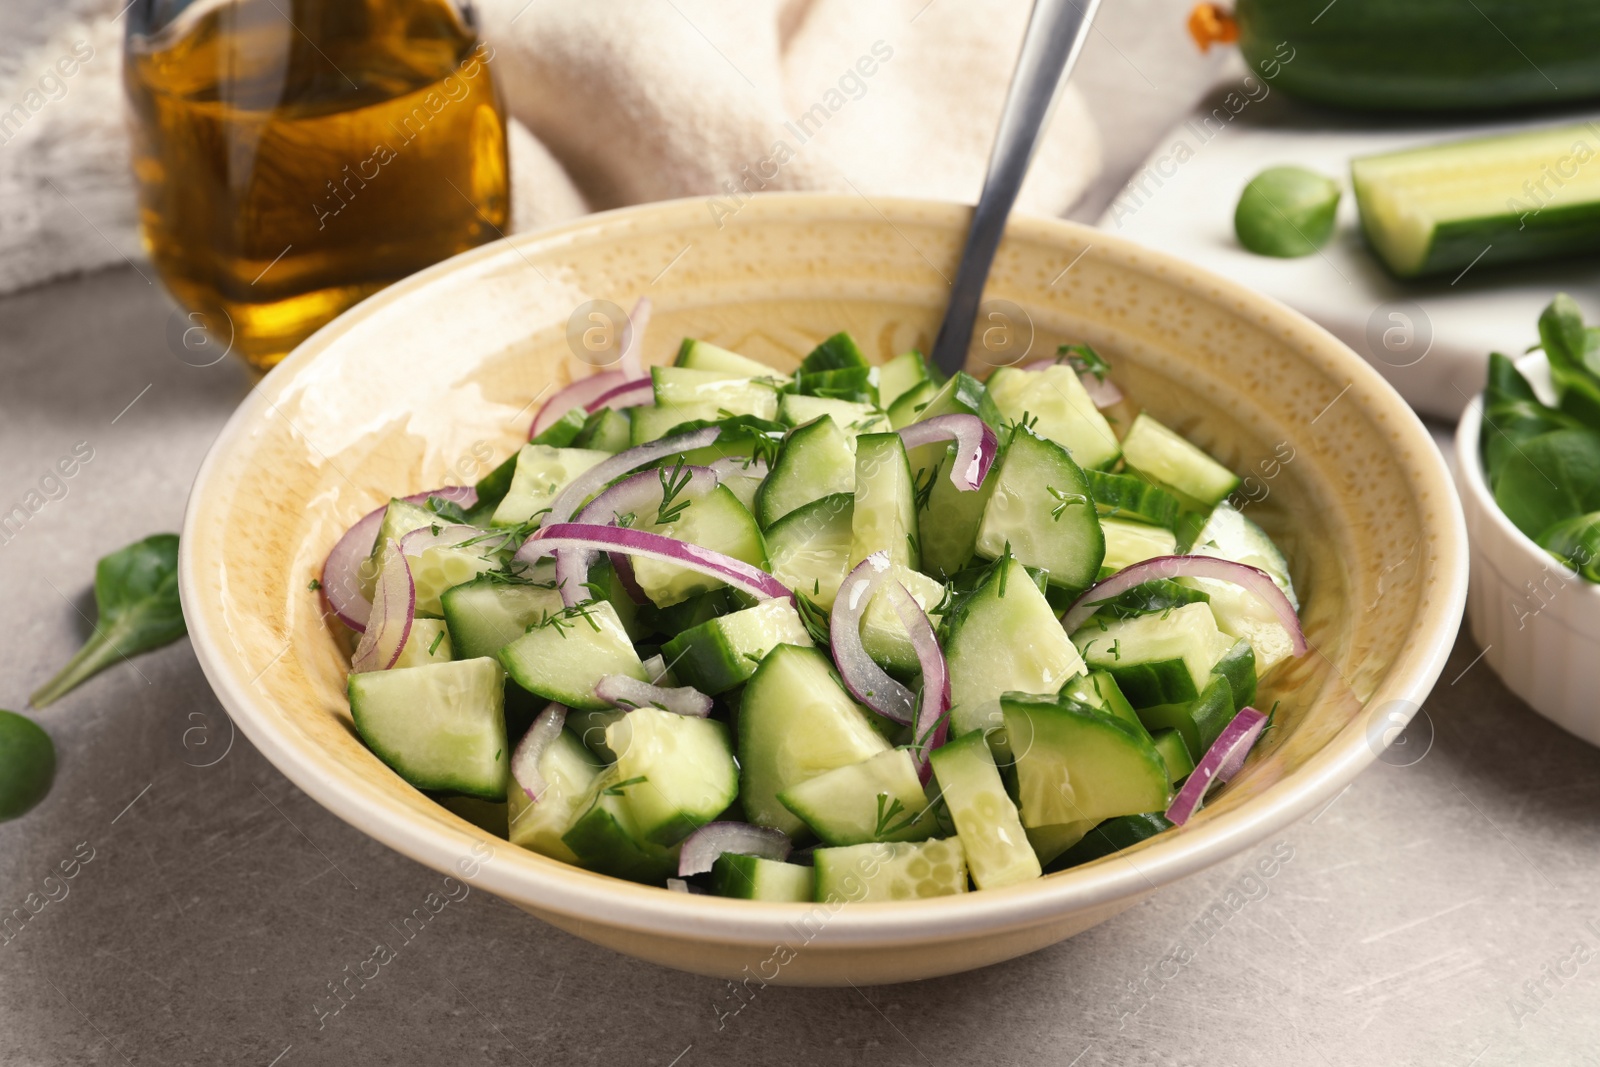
1537 622
434 380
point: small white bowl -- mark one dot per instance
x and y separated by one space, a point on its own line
1537 622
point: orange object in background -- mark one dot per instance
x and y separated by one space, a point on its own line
295 157
1210 24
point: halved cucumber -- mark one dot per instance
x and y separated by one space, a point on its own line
891 870
816 460
1074 764
699 355
676 772
1171 459
724 652
488 613
1058 407
997 850
568 771
1128 542
809 548
542 472
754 878
1042 509
1126 497
564 660
795 722
441 726
885 513
878 799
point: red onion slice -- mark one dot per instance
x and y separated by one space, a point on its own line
976 445
1220 763
701 848
585 485
638 321
341 571
581 537
933 722
577 395
394 606
867 681
1256 581
635 393
530 751
629 693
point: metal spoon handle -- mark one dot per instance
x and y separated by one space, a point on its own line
1055 36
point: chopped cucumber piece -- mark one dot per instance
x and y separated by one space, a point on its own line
440 726
885 513
900 375
1128 543
1074 764
909 406
816 460
444 567
726 394
998 852
716 521
809 548
564 659
699 355
426 643
605 431
1110 836
1157 452
1056 405
1156 659
1051 841
891 870
883 635
676 772
1122 496
1227 534
605 839
1099 690
724 652
838 352
878 799
754 878
568 771
1174 753
1155 597
399 519
950 536
853 417
564 431
1042 509
653 422
795 722
542 472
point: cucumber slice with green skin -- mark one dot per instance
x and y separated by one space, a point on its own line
1227 534
809 548
884 635
605 431
675 772
1003 638
442 568
1503 199
755 878
564 661
961 395
1126 497
1199 722
718 655
1171 459
542 472
716 521
1238 666
1041 508
399 519
653 422
491 489
900 375
1240 613
838 352
1051 841
949 541
564 431
693 390
1155 659
909 405
891 870
428 642
689 614
1057 407
590 726
852 417
1128 543
816 460
603 838
568 771
487 614
795 722
699 355
878 799
998 852
857 385
440 727
1174 753
1110 836
1075 764
1155 597
885 514
1099 690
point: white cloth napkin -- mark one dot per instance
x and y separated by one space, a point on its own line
613 102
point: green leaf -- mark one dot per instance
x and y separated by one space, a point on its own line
136 592
1574 355
1549 479
27 764
1513 414
1576 542
1286 211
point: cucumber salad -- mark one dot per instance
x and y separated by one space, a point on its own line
853 631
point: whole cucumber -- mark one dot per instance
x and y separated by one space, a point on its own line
1426 55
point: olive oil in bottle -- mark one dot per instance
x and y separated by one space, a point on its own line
295 156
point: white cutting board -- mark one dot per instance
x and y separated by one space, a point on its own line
1430 339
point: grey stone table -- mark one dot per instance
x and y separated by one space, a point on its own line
1443 912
